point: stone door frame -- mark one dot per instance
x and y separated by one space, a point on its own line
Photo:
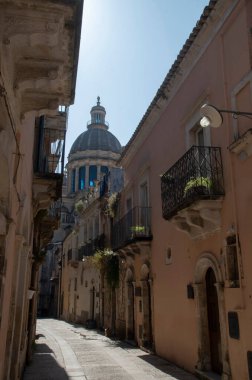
208 260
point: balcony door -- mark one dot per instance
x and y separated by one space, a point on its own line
129 218
200 139
202 161
144 202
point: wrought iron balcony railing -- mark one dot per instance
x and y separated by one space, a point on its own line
49 145
90 248
198 174
135 225
103 122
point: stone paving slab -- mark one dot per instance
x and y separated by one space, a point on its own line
66 351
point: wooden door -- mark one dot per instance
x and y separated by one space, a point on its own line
213 322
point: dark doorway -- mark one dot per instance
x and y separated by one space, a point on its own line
147 313
150 312
131 312
213 322
93 302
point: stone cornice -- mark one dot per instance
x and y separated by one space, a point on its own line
93 155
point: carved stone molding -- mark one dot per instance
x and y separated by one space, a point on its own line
243 146
28 22
199 219
33 73
43 103
43 195
208 260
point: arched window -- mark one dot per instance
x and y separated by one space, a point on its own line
92 175
82 173
73 180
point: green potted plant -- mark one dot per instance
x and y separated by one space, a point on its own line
79 206
137 230
198 185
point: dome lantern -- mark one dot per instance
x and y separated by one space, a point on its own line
98 114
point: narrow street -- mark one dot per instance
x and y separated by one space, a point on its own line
66 351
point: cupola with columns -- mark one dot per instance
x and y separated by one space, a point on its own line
93 153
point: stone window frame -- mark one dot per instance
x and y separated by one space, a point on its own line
192 125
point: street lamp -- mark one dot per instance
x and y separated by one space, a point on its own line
212 116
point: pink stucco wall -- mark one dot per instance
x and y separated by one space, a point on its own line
223 64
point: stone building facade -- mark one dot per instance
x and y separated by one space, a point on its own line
38 67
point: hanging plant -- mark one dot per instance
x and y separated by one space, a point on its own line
107 262
79 206
112 205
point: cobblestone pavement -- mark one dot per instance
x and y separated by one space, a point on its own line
65 351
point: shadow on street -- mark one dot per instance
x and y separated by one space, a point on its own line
44 365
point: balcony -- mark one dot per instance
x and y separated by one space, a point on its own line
135 226
192 190
49 145
90 248
48 156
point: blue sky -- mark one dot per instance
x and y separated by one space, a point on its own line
127 48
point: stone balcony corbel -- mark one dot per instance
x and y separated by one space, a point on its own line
45 192
40 51
40 103
200 219
33 73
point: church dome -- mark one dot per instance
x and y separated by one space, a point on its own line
97 137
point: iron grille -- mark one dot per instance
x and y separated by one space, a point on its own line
136 224
198 174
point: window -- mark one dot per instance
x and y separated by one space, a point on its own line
104 170
128 204
129 215
92 175
73 180
82 173
144 195
232 269
63 217
194 133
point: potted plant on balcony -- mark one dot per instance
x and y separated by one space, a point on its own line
198 185
137 230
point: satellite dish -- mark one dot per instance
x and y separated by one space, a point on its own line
210 116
